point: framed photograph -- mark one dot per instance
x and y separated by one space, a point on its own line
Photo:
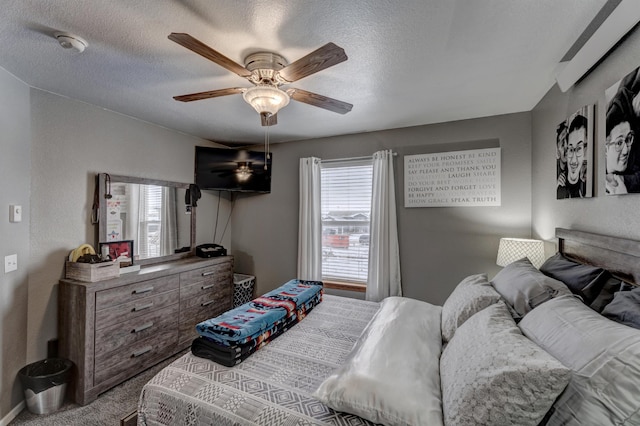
574 155
118 251
622 158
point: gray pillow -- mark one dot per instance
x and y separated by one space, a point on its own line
625 308
584 280
492 375
524 287
604 357
471 295
610 288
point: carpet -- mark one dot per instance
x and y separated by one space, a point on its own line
109 409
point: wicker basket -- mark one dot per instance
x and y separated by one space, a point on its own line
243 289
91 272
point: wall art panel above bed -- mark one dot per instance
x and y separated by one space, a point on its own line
574 155
622 172
453 179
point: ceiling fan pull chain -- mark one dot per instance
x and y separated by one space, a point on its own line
266 146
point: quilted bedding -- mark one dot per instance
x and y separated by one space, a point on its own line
271 387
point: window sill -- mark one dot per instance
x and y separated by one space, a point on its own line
336 285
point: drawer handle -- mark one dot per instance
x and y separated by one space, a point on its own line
142 307
143 290
206 274
206 303
141 352
142 327
207 287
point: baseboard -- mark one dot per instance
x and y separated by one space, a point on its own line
12 414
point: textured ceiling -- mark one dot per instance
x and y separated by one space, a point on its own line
411 62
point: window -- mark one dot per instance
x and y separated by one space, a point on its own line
346 212
150 223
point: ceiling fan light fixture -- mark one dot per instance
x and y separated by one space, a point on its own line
266 99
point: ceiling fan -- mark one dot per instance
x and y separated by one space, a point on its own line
268 71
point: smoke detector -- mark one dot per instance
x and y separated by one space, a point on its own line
71 41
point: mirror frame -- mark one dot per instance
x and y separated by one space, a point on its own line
102 213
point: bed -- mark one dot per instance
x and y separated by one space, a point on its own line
560 350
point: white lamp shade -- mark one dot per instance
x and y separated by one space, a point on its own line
266 99
512 249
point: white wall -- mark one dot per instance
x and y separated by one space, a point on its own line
15 169
612 215
438 246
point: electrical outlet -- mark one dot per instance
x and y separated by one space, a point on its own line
15 213
10 263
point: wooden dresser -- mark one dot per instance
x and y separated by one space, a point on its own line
114 329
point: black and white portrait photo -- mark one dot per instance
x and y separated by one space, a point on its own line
574 155
621 154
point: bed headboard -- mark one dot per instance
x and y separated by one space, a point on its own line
620 256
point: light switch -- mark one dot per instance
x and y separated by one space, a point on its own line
10 263
15 213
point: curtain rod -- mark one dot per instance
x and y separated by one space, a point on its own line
333 160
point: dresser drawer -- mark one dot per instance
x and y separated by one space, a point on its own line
222 297
136 308
145 326
213 273
132 292
204 287
136 357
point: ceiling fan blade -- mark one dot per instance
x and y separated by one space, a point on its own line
322 58
206 95
269 120
202 49
320 101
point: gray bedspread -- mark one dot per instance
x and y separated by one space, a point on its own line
272 387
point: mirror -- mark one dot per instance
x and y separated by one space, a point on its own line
151 213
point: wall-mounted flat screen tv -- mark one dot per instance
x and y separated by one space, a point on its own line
225 169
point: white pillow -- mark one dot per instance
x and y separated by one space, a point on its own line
604 356
392 374
472 295
492 375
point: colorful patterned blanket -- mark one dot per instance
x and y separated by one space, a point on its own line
247 322
232 355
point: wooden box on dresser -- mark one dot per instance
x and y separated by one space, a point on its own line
116 328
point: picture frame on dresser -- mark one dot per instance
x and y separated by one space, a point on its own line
118 251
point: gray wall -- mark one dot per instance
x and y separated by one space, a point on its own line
613 215
438 246
52 147
15 165
71 142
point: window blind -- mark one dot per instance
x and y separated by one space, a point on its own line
346 211
150 221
